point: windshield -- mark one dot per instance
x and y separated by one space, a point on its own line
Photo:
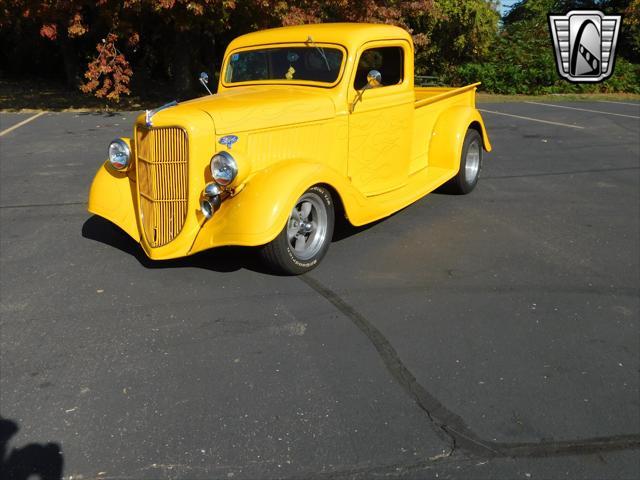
287 64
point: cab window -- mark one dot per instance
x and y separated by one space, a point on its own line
389 61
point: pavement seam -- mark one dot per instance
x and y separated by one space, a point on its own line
448 424
552 174
394 364
34 205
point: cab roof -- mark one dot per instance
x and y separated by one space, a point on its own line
350 35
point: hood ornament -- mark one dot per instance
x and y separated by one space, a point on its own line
228 140
148 114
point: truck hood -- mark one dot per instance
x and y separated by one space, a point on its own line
252 108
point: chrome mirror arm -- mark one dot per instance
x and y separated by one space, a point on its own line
352 107
204 80
374 79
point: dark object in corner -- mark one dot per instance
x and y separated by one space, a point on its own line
43 460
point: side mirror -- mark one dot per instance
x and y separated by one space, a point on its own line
374 78
204 80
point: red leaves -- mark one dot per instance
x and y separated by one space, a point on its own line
369 11
76 28
166 4
57 16
109 67
49 31
208 25
134 39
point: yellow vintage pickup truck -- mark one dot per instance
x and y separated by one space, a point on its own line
307 121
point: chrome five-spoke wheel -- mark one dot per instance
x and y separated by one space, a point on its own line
306 236
307 226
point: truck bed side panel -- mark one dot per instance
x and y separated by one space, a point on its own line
430 104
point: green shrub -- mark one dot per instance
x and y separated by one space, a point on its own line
521 60
542 78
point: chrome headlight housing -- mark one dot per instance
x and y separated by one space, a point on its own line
119 154
224 168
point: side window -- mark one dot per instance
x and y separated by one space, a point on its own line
389 61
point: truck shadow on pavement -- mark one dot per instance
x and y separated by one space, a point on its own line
220 259
35 460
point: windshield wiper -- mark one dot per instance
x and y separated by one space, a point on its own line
320 51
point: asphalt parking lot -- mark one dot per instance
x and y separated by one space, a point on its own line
493 335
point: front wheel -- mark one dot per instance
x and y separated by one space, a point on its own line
470 164
305 238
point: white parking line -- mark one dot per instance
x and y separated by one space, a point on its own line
532 119
620 103
583 109
18 125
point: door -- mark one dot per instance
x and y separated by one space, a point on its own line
381 121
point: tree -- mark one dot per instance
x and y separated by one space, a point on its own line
58 21
522 59
78 26
463 32
139 44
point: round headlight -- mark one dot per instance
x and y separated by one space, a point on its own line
119 154
223 168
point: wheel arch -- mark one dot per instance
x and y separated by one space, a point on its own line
448 135
338 203
257 214
479 127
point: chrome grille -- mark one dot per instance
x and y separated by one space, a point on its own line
162 170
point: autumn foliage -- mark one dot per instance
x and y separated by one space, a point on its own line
108 74
111 48
171 40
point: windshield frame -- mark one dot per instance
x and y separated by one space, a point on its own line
279 81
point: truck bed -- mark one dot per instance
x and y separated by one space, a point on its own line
428 95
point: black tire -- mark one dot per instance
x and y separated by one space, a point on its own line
305 239
470 165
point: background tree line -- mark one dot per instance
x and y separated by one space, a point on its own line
112 48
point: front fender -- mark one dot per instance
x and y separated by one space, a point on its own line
448 135
112 196
257 214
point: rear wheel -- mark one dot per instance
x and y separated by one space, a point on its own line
470 164
305 238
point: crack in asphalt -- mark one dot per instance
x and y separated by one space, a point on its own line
33 205
554 174
447 424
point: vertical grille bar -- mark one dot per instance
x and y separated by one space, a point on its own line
162 166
